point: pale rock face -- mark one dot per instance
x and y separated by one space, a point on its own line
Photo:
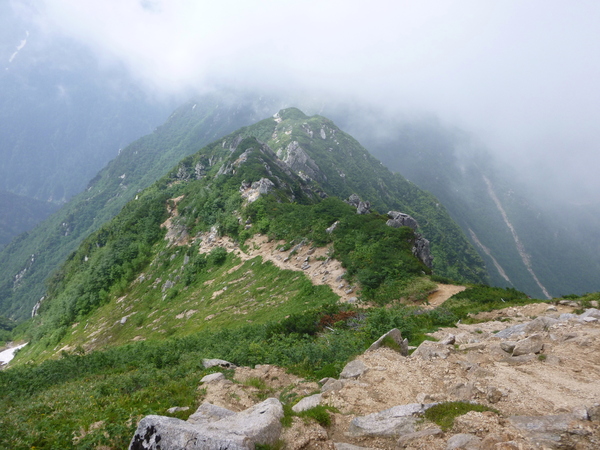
212 428
298 160
396 336
395 421
353 369
533 344
398 219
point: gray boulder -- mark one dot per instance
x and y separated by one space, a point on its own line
408 438
544 430
509 332
591 312
539 324
218 376
208 363
353 369
361 207
395 336
429 350
508 346
398 219
463 441
332 385
395 421
422 250
208 412
533 344
307 403
212 428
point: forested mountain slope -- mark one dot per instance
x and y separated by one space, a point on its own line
29 260
19 214
260 179
542 251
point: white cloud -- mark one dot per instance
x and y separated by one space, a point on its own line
521 74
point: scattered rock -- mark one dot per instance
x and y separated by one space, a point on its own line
472 346
354 369
344 446
463 391
493 394
332 385
429 350
594 412
395 421
307 403
218 376
304 434
408 438
533 344
463 441
208 363
581 413
396 336
449 340
508 346
544 430
260 424
175 409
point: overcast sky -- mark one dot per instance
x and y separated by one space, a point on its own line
521 75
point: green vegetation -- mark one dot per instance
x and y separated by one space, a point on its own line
319 414
104 393
342 167
360 242
134 310
38 253
6 326
443 414
485 298
19 214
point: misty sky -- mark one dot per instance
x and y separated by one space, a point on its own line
521 75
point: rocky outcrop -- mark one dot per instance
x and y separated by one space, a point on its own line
422 250
392 339
361 207
252 191
212 427
298 160
395 421
398 219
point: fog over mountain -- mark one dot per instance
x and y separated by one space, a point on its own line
521 76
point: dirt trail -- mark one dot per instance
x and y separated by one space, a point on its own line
443 293
313 261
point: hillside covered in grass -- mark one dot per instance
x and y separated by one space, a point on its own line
182 273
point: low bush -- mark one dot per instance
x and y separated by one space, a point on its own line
443 414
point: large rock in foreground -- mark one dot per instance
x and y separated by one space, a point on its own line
212 429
